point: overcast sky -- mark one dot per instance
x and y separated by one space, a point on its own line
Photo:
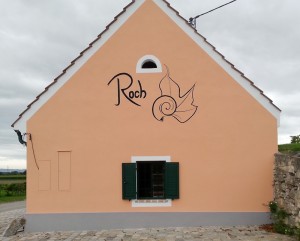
40 38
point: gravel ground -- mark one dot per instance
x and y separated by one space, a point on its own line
4 207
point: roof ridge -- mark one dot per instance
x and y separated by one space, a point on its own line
81 54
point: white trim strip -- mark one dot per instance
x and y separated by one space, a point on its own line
134 159
219 60
21 123
151 203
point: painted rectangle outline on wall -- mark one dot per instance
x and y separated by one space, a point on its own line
44 175
64 170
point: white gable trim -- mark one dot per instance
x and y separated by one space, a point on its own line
219 60
21 123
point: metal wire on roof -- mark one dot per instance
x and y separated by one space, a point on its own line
193 21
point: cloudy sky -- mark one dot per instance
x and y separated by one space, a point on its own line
40 38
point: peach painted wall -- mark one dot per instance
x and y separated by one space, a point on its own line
225 150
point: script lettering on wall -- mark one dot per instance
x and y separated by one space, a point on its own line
171 103
125 89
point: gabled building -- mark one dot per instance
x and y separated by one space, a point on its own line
149 127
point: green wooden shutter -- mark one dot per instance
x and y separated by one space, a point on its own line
129 181
172 180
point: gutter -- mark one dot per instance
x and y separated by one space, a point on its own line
20 137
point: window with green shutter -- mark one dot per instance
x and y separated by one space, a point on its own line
150 180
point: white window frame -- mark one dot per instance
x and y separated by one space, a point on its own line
146 58
137 203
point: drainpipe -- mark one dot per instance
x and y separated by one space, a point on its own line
20 137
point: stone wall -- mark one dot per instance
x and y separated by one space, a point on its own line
287 185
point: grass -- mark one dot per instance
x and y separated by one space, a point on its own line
289 148
8 199
8 179
11 181
12 188
12 177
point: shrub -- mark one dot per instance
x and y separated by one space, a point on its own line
14 189
295 139
278 216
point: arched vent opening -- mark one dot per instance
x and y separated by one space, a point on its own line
148 64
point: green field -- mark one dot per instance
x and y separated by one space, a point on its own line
12 188
7 179
13 177
7 199
289 148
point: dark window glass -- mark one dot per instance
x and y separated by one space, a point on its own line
149 65
150 179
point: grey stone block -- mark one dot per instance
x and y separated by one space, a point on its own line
13 228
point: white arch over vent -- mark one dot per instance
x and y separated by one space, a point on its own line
145 59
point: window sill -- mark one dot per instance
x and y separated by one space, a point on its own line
151 203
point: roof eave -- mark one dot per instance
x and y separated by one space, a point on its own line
182 23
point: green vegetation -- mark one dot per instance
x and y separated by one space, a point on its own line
12 187
279 216
12 192
295 139
13 177
8 179
289 148
12 199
